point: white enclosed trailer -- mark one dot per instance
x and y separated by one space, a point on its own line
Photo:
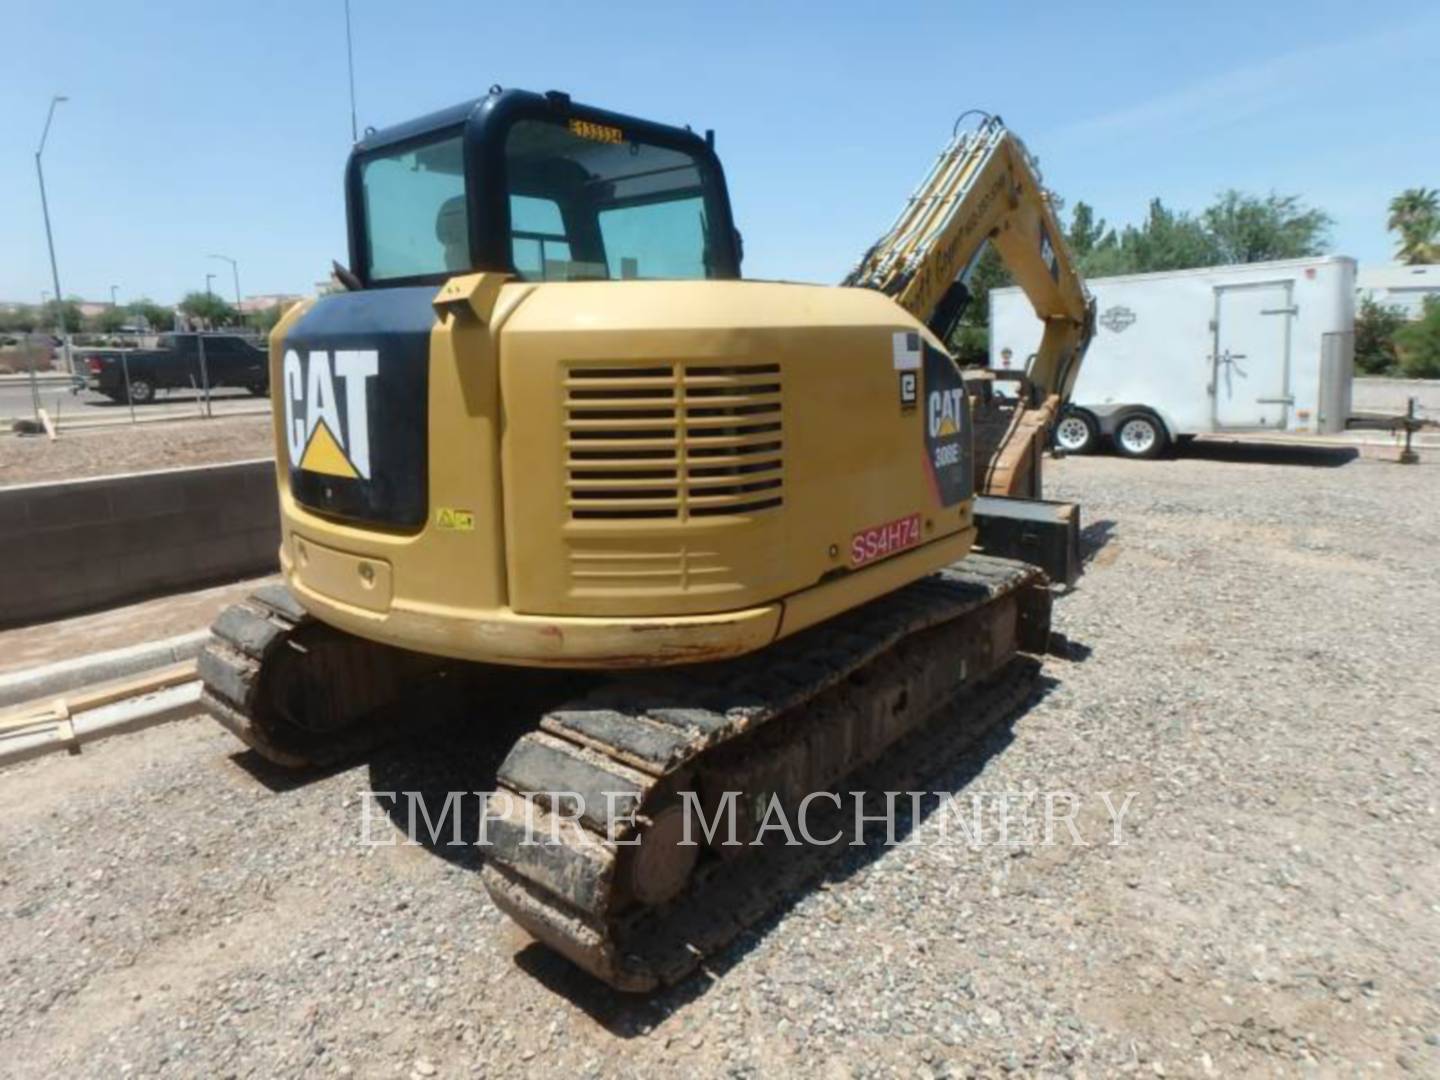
1256 347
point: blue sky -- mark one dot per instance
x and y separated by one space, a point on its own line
224 128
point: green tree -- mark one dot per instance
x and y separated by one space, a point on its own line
1095 245
265 321
50 315
1167 240
1375 327
1246 228
970 340
208 308
1418 343
1086 231
110 320
22 319
156 316
988 273
1415 219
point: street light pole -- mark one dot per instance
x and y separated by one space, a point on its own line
235 270
50 238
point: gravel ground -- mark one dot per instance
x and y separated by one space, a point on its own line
1252 659
103 451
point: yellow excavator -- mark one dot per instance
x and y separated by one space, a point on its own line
548 425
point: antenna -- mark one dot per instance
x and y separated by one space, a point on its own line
350 60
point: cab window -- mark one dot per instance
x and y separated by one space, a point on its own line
590 202
414 205
538 238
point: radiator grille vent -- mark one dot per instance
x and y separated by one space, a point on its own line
677 441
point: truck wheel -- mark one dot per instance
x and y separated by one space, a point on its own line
142 391
1141 435
1076 433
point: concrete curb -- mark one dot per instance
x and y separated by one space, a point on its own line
86 423
44 378
34 684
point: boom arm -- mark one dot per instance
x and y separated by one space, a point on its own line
985 186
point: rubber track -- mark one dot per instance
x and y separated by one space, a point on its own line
243 637
357 686
638 733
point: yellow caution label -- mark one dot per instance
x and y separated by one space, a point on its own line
456 520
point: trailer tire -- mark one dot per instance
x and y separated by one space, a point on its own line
1141 435
1076 432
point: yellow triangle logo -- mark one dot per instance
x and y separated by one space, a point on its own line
947 427
323 454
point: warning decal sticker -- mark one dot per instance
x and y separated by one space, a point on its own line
905 348
456 520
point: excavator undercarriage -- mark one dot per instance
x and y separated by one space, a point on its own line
586 833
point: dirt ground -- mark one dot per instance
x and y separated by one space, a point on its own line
1251 666
103 451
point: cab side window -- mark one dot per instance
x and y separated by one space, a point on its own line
539 245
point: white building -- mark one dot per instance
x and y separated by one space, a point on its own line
253 305
1399 286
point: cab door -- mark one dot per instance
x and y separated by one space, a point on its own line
1251 379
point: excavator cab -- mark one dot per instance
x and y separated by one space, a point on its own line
541 189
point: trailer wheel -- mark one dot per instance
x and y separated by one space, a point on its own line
1076 433
1141 435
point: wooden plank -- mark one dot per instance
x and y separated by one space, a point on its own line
60 709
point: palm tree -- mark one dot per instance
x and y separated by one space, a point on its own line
1415 217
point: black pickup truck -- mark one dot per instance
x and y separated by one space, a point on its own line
230 360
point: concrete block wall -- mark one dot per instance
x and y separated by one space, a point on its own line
83 544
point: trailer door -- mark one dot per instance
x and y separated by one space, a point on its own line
1252 355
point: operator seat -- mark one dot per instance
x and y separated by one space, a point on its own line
452 230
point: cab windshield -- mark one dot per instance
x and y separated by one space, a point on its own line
586 202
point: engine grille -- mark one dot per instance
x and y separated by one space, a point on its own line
679 441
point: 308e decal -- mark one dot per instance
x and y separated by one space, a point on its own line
945 416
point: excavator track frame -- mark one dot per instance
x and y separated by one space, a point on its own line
810 712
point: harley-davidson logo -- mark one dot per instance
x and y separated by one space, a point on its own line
1117 318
